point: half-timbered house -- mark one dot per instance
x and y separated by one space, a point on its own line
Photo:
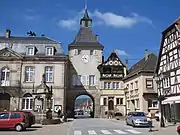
112 71
168 71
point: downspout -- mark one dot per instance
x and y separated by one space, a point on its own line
20 86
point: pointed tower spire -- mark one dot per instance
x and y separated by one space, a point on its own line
86 21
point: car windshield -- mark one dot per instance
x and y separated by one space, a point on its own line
138 114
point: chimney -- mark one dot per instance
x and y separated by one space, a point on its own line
146 54
97 37
8 33
102 58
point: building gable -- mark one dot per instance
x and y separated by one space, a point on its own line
9 53
170 43
112 68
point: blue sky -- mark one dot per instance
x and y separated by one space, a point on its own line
128 26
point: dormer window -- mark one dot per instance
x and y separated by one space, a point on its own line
93 52
49 51
77 52
30 50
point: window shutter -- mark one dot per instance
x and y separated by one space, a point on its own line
96 81
87 79
83 79
101 85
101 100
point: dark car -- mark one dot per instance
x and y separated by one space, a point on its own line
31 118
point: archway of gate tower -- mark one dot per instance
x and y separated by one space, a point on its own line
84 106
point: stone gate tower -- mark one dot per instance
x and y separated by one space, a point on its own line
85 54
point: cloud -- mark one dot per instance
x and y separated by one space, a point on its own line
118 21
121 52
31 17
71 24
107 18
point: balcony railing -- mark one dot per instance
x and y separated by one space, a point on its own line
9 83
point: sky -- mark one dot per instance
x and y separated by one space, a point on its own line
126 26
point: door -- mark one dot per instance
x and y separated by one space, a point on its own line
14 118
111 105
4 120
5 77
4 101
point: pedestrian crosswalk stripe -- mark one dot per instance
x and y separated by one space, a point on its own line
77 132
120 132
106 132
91 132
133 131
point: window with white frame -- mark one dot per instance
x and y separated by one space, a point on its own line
107 85
29 74
49 51
27 102
166 82
119 101
136 84
149 83
91 52
115 85
152 103
104 101
91 80
73 81
75 51
30 50
49 73
131 86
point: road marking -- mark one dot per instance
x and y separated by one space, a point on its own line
106 132
92 132
120 132
133 131
77 132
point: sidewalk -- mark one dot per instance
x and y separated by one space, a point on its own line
170 129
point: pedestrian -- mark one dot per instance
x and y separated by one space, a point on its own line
59 113
149 119
5 110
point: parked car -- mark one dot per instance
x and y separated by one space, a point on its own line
31 118
137 119
16 120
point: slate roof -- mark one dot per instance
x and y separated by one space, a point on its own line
85 37
27 40
143 65
19 44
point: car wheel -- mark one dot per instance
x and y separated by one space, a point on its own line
18 127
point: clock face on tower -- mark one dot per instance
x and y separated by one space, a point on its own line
85 58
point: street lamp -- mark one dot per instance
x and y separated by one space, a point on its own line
159 81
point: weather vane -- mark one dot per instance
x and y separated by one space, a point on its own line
85 4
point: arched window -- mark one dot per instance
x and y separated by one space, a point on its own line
5 73
27 102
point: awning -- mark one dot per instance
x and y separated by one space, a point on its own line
171 100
